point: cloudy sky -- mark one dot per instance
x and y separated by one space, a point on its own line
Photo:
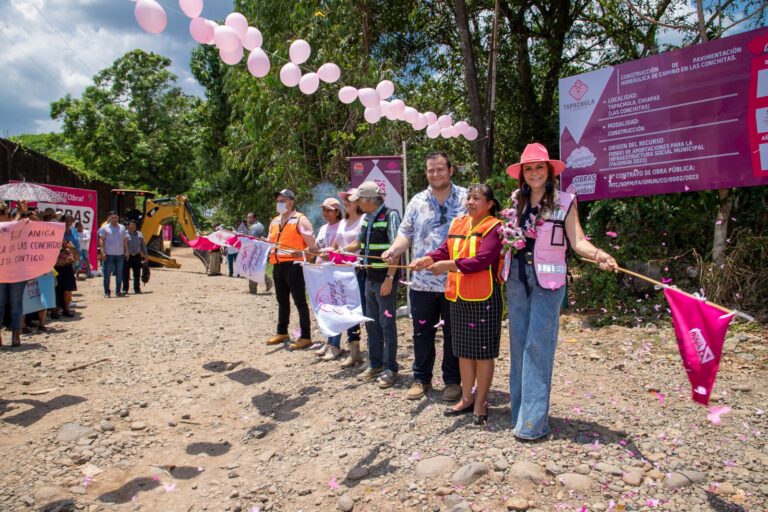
54 47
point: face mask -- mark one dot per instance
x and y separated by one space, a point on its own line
281 208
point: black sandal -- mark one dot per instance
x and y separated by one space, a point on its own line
457 412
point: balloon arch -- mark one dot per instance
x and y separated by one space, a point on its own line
236 36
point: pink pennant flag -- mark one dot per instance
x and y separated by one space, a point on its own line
201 243
337 257
700 331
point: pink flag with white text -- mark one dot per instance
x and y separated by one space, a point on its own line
700 330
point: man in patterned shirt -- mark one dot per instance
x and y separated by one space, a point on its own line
424 229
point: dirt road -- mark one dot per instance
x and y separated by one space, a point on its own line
186 409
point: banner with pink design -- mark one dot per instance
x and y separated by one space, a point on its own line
335 297
690 119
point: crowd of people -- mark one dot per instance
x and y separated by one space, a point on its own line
467 253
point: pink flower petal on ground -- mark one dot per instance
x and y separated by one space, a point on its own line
169 487
611 234
715 412
333 484
422 322
156 478
415 456
651 502
439 324
297 333
387 313
661 397
200 469
255 509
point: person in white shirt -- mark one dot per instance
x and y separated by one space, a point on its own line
326 236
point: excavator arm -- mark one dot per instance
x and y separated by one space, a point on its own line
157 213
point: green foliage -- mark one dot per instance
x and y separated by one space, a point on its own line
134 127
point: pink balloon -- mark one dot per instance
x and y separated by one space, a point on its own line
397 107
347 95
226 39
444 121
420 123
329 72
433 131
299 51
213 26
461 127
258 63
232 58
372 115
369 97
192 8
201 31
385 89
238 23
252 39
446 132
384 106
309 83
410 115
290 75
431 117
150 16
471 133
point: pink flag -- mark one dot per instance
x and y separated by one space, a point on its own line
700 330
201 243
337 257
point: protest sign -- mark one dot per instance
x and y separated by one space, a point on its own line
82 205
335 297
28 249
252 259
40 293
690 119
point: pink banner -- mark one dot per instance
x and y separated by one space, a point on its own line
700 330
82 204
201 243
28 249
684 120
384 170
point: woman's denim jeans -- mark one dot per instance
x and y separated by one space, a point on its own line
13 295
533 326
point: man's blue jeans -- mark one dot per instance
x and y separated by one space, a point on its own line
382 331
13 295
533 325
113 264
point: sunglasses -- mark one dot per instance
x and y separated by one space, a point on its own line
443 213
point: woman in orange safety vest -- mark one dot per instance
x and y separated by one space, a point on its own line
471 257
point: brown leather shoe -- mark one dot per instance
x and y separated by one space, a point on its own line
277 339
451 393
16 338
300 344
418 391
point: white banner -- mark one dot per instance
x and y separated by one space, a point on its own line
252 259
335 297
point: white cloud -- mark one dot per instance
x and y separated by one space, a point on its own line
54 47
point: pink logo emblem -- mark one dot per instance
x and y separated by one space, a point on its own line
578 90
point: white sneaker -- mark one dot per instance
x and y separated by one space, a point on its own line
321 351
332 353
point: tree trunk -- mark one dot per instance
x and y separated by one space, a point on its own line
721 226
473 89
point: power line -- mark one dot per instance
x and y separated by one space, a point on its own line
63 39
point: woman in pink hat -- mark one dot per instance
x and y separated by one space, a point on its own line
540 225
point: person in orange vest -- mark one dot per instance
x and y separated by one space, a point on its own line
293 235
471 257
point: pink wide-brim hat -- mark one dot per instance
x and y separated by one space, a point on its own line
535 153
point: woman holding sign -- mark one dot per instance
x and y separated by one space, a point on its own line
538 228
470 256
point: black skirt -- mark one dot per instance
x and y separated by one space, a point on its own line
66 281
476 326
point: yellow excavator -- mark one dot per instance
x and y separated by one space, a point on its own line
151 213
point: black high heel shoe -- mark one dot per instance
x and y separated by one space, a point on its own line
454 412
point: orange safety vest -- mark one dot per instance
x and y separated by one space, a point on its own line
463 241
288 236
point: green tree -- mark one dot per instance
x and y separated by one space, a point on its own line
134 126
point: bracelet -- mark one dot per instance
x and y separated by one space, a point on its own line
389 277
